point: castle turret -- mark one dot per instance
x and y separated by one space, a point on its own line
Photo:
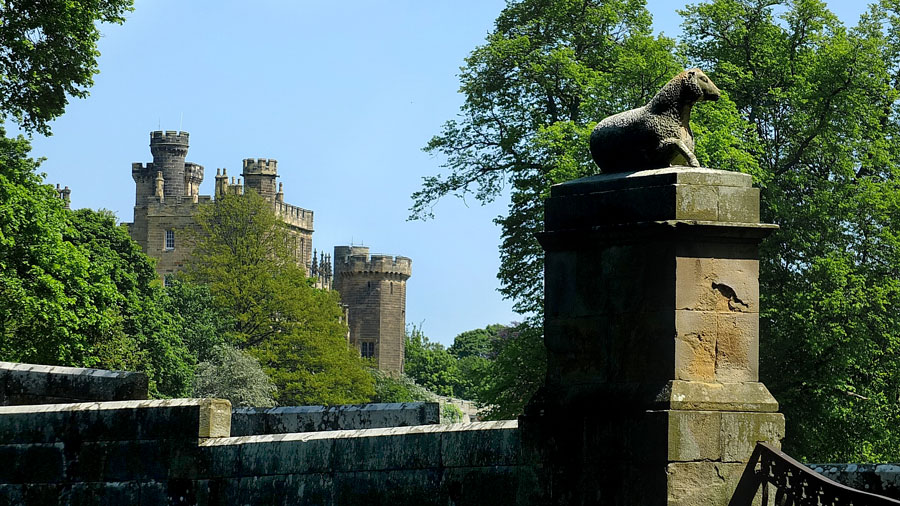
169 150
373 287
259 175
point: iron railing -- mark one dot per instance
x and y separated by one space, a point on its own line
795 484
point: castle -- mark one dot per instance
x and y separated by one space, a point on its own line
372 288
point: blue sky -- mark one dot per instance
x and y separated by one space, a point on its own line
343 94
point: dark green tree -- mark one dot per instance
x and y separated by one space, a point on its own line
476 343
430 364
152 340
549 70
48 52
810 110
818 103
75 289
243 256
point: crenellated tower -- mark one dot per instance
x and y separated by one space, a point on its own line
169 149
259 174
373 287
166 197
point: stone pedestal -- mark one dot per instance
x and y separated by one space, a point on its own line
651 328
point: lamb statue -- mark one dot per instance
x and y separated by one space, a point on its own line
656 135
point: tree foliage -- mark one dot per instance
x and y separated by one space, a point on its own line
48 52
430 364
819 104
809 109
75 289
234 375
243 256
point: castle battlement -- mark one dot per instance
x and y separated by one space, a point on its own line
294 216
169 137
357 260
260 166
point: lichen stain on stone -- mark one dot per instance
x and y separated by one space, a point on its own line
728 300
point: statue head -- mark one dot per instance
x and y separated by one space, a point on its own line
697 86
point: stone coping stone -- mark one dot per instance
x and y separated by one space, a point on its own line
361 433
44 384
656 177
255 421
116 421
397 448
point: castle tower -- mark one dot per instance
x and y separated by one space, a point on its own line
374 290
169 150
259 175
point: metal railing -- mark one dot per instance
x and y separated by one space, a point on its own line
795 484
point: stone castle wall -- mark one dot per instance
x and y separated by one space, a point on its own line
374 289
167 197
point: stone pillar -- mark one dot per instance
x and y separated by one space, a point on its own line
651 326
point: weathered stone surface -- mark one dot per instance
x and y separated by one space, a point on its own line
390 488
495 485
286 457
118 420
215 418
741 431
695 345
717 284
696 395
694 435
254 421
470 448
41 384
737 347
701 483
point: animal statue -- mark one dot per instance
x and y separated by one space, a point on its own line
656 135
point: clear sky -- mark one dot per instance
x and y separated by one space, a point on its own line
343 94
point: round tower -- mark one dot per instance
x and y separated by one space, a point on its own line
259 174
373 287
169 150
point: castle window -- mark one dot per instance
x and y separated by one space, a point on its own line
167 280
367 349
170 239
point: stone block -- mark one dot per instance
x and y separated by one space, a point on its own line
493 447
737 347
115 421
102 494
405 451
43 493
41 384
156 492
695 345
495 485
12 494
641 347
694 435
738 205
32 463
696 202
655 177
702 396
286 457
701 483
410 487
215 418
741 431
717 284
220 460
